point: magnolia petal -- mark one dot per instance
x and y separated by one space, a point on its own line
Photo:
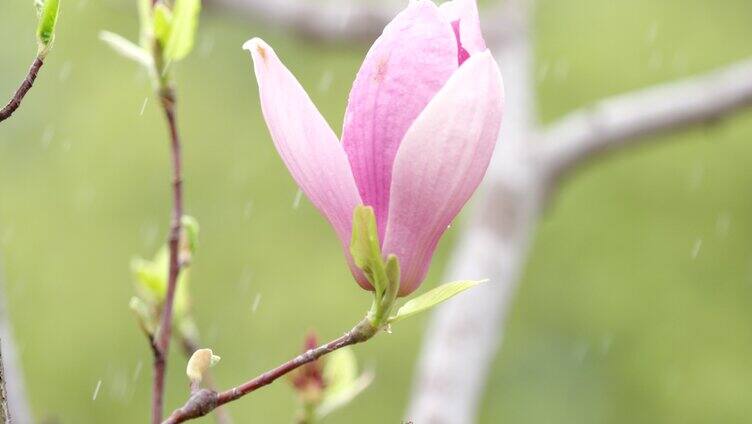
440 163
306 143
463 15
403 70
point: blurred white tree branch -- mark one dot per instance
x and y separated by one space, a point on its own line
341 20
12 374
464 334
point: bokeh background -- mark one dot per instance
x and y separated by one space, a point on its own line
635 307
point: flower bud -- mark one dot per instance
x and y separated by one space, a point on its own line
200 361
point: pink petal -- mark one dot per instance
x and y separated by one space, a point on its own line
306 143
463 15
404 69
440 163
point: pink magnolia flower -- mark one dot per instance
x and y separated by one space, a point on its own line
420 128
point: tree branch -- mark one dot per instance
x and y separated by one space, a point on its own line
14 399
338 20
167 97
204 401
623 120
24 88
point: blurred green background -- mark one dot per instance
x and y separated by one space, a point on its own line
636 306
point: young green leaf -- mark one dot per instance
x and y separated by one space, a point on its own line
432 298
183 29
162 23
340 369
126 48
46 27
343 383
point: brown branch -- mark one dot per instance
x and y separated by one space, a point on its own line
167 97
204 401
24 88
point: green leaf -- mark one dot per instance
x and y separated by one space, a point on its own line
47 22
183 29
365 249
432 298
151 276
126 48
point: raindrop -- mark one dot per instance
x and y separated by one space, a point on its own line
149 233
696 248
722 224
256 301
96 390
207 45
580 352
561 70
8 235
326 81
543 70
680 63
65 71
47 136
655 61
695 180
143 107
652 33
245 280
606 342
247 210
296 200
137 371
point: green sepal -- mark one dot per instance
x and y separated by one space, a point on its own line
432 298
365 249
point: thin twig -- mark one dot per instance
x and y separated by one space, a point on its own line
24 88
167 97
204 401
